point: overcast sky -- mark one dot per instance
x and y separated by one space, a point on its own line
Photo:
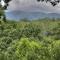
32 6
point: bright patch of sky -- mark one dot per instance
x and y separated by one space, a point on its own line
2 3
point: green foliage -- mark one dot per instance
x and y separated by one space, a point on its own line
55 52
31 50
30 40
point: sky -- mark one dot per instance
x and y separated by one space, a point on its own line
33 6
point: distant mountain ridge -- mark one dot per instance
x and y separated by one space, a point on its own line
30 15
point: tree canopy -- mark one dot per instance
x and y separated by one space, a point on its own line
3 6
53 2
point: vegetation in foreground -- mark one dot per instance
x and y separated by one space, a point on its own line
30 40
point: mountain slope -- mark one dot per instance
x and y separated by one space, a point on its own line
30 15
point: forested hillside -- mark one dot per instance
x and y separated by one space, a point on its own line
30 40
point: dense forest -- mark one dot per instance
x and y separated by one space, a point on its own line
30 40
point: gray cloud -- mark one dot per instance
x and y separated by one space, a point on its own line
33 5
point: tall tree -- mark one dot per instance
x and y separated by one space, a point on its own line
3 6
